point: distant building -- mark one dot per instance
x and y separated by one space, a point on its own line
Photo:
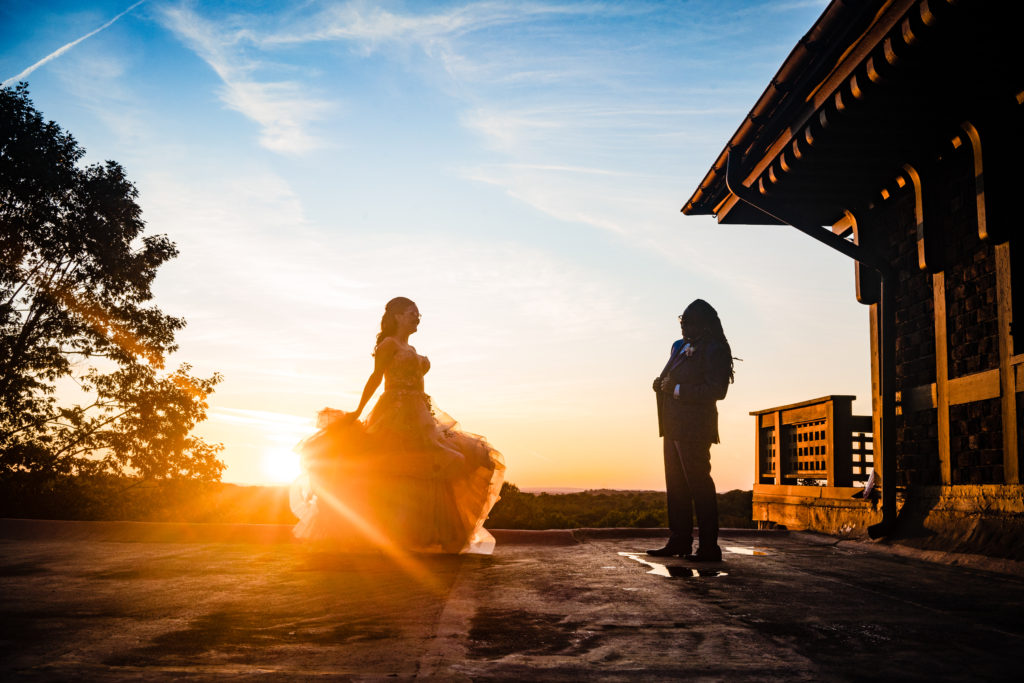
893 133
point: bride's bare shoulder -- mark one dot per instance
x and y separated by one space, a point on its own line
387 347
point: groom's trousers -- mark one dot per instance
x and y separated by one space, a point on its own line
690 489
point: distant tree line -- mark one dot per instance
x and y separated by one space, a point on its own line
87 407
92 498
599 509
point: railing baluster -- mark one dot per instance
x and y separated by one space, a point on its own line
819 440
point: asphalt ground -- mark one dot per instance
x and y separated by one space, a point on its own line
117 602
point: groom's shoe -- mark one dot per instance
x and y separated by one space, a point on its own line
711 554
670 550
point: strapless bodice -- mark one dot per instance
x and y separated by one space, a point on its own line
406 371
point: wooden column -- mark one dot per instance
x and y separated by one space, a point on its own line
942 376
840 459
876 391
830 439
759 446
1007 379
778 446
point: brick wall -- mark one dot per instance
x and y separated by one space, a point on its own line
975 429
916 444
971 323
976 443
971 315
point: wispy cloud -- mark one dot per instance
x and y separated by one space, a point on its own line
372 25
61 50
281 108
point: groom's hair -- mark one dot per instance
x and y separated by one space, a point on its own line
701 321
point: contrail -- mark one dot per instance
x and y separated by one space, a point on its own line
58 52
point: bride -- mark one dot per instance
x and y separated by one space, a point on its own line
404 476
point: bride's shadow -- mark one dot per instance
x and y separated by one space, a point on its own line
373 570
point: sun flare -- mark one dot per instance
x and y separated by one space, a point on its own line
281 465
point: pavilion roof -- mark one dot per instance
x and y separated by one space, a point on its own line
873 86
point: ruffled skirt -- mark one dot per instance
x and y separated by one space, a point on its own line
406 479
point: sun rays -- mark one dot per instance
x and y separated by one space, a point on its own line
368 536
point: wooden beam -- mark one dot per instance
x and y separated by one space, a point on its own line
918 398
979 386
806 414
927 215
974 145
866 278
942 376
1007 375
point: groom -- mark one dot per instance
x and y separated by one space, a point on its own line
697 375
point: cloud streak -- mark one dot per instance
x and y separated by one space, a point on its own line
371 25
61 50
281 110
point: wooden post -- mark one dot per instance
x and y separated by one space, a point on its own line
942 376
830 442
840 427
759 451
1007 378
778 447
876 385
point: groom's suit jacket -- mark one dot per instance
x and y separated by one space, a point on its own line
703 379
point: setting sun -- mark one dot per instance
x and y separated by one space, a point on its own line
280 465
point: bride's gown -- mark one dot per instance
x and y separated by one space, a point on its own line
405 478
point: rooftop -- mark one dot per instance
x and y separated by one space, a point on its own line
119 601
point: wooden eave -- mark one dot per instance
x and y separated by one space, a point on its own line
837 124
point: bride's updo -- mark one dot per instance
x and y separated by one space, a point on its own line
388 323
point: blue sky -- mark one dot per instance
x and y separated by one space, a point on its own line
515 168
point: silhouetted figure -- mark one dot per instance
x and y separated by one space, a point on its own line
698 374
405 478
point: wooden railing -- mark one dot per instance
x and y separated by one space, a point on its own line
814 442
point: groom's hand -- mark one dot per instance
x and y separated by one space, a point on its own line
657 384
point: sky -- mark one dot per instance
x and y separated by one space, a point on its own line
516 168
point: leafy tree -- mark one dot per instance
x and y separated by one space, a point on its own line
76 273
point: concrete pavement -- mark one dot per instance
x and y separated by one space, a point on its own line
117 601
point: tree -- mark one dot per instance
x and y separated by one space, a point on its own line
76 271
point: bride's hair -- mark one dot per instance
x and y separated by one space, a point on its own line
388 324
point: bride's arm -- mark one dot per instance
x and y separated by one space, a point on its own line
381 359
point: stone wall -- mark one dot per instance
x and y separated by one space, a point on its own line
985 520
